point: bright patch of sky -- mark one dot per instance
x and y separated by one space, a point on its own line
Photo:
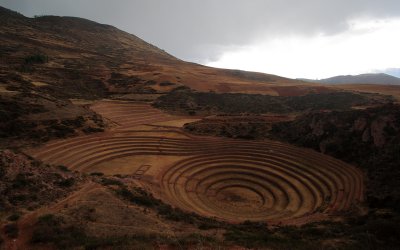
365 46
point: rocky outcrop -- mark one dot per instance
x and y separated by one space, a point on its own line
379 128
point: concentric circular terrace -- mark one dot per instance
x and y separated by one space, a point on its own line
261 181
234 180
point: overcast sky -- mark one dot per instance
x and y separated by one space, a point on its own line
292 38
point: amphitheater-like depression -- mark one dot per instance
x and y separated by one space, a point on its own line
268 181
233 180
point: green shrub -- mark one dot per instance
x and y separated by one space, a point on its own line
21 181
69 182
166 84
14 217
63 168
36 59
111 182
53 229
96 174
60 130
2 170
49 218
90 130
11 230
140 197
76 123
15 199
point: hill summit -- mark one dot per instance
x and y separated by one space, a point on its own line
88 59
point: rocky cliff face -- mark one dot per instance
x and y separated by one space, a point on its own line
368 126
367 138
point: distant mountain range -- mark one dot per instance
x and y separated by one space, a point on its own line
379 78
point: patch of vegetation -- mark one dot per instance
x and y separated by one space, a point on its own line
53 229
248 234
185 101
36 59
196 241
111 182
20 181
69 182
31 60
120 80
96 174
151 82
244 128
26 183
90 130
163 84
17 125
63 168
140 197
74 123
14 217
367 232
60 130
12 109
11 230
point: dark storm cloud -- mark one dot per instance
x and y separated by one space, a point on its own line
198 30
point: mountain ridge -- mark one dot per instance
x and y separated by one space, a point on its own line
370 78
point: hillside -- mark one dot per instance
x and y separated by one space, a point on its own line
87 59
382 79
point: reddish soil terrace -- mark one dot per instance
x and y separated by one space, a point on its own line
233 180
127 114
